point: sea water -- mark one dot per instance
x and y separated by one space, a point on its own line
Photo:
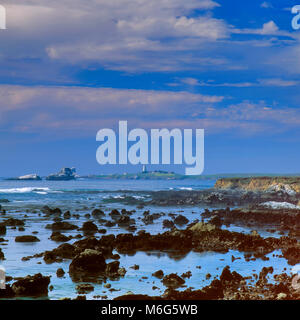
81 197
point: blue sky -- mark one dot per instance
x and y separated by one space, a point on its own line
69 68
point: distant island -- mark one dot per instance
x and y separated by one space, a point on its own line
67 174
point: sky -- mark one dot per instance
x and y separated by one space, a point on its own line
69 68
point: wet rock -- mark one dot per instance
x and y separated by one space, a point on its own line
97 213
231 277
27 239
158 274
115 214
11 222
64 251
135 267
292 255
21 229
61 226
112 268
110 224
2 229
181 220
168 224
1 255
84 288
173 281
48 211
88 262
67 215
89 227
60 272
59 237
36 285
216 221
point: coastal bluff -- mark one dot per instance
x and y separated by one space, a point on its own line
262 184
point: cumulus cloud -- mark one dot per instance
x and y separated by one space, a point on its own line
77 111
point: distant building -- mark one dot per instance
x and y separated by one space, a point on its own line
144 169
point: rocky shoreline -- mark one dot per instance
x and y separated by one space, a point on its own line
93 252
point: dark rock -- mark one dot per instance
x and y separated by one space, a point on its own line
61 226
2 229
67 215
181 220
27 239
84 288
11 222
89 226
59 237
36 285
158 274
168 224
1 255
115 214
60 272
88 262
112 268
97 213
173 281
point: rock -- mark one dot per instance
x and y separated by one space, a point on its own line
11 222
173 281
107 285
30 177
89 226
158 274
84 288
60 272
216 221
61 226
67 215
30 286
168 224
59 237
135 267
97 213
65 174
27 239
1 255
232 277
112 268
281 296
2 229
48 211
202 227
181 220
64 251
122 272
124 220
115 214
21 229
88 262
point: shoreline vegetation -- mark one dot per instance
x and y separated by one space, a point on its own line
271 202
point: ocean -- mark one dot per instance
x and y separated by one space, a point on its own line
26 198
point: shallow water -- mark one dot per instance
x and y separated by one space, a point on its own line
26 198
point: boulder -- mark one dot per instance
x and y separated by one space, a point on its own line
27 239
36 285
88 262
